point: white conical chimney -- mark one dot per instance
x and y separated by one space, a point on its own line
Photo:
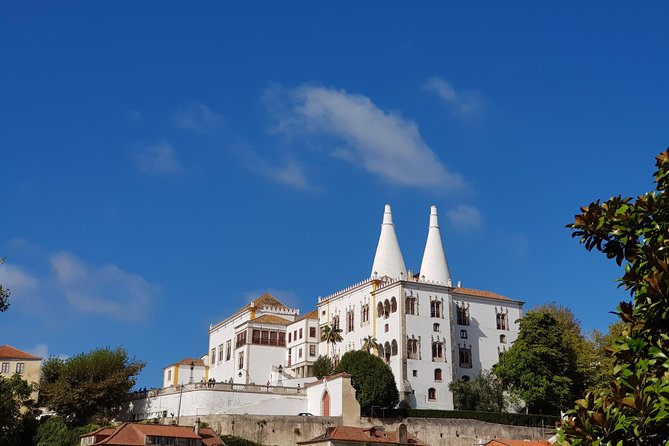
388 260
434 266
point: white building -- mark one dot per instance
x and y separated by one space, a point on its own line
427 330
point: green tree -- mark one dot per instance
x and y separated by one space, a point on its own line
368 343
634 408
4 294
90 386
54 431
539 368
372 378
331 334
484 393
16 416
323 366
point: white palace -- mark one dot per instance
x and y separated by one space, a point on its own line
428 329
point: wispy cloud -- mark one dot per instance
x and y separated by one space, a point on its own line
465 103
158 159
287 171
381 142
17 279
464 218
105 290
199 118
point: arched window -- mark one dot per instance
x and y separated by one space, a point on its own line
411 305
463 334
465 357
386 309
393 305
502 339
465 378
393 347
387 350
437 351
412 349
432 394
379 350
435 327
379 310
437 375
435 309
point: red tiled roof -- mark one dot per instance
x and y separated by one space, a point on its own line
187 361
479 293
131 434
309 315
271 319
9 352
503 442
363 435
266 300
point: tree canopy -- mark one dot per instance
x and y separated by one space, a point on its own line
90 386
4 294
372 378
634 408
540 367
331 334
323 366
484 393
15 410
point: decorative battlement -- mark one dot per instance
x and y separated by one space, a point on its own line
348 288
280 310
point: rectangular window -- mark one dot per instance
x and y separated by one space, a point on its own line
300 333
265 337
273 338
282 339
169 375
227 350
312 350
241 339
20 367
312 332
213 356
290 337
240 360
299 353
5 367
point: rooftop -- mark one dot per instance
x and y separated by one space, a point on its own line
9 352
131 434
362 435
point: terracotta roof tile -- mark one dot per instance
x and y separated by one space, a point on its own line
479 293
265 300
309 315
131 434
9 352
363 435
187 361
271 319
503 442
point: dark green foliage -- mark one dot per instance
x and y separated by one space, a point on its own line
515 419
372 378
4 294
483 393
634 408
540 368
53 431
323 367
16 428
231 440
90 386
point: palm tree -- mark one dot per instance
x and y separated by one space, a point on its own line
369 343
331 335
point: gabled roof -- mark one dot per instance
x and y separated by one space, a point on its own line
187 361
9 352
265 300
479 293
362 435
503 442
309 315
271 319
131 434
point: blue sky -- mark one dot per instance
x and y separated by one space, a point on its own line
163 164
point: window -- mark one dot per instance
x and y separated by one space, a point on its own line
415 373
465 357
300 333
502 339
350 321
411 305
437 375
335 322
227 350
413 349
435 327
220 353
295 335
169 375
312 350
393 305
387 350
463 334
386 328
437 350
312 332
393 348
290 337
282 339
379 310
213 357
5 367
462 315
502 321
240 360
431 394
273 338
241 339
364 316
435 309
299 353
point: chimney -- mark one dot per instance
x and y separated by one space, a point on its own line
388 260
402 434
434 266
372 432
196 427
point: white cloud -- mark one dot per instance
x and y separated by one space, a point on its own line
464 103
199 118
381 142
41 350
158 159
464 217
288 171
106 290
16 279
